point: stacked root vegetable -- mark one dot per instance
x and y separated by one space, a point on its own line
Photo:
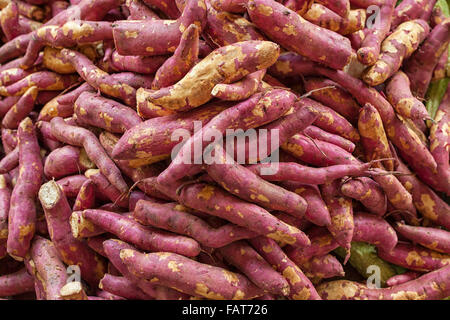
224 149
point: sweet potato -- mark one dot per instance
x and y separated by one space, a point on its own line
334 97
139 11
323 17
241 255
225 28
71 185
316 152
9 139
86 197
431 238
341 211
82 227
224 65
402 278
398 46
271 17
322 135
53 60
62 105
439 141
43 80
399 95
139 64
309 175
156 37
239 90
21 109
431 286
329 120
168 7
182 60
415 258
419 68
48 267
9 21
368 192
7 103
66 161
245 115
316 211
9 76
123 287
373 136
369 52
73 290
10 161
214 201
98 78
440 71
14 48
322 267
72 251
189 276
234 6
81 137
146 238
22 212
246 185
103 186
412 9
16 283
94 110
5 197
374 230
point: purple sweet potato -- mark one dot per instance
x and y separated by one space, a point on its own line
431 238
66 161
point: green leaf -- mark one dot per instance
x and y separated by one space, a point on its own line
434 96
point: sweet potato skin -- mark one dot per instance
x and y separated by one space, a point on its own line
21 109
374 230
431 238
16 283
66 161
368 192
223 65
189 276
22 212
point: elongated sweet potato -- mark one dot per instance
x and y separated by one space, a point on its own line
175 218
22 212
21 109
62 105
86 197
16 283
412 9
431 286
374 230
139 11
400 45
322 135
139 64
156 37
239 90
224 65
71 185
10 161
326 47
48 267
94 110
368 192
415 258
431 238
5 198
241 255
7 103
342 224
182 60
72 251
81 137
399 94
234 6
123 287
189 276
66 161
322 267
146 238
104 187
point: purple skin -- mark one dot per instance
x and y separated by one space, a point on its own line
431 238
104 187
412 9
5 198
374 230
71 250
65 161
139 11
317 211
9 76
6 104
94 110
122 287
168 217
22 212
326 47
368 192
239 90
62 105
138 64
10 161
146 238
21 109
322 267
322 135
182 60
156 37
16 283
71 185
419 68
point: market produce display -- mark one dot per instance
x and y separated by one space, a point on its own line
224 149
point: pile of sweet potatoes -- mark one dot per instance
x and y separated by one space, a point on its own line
224 149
